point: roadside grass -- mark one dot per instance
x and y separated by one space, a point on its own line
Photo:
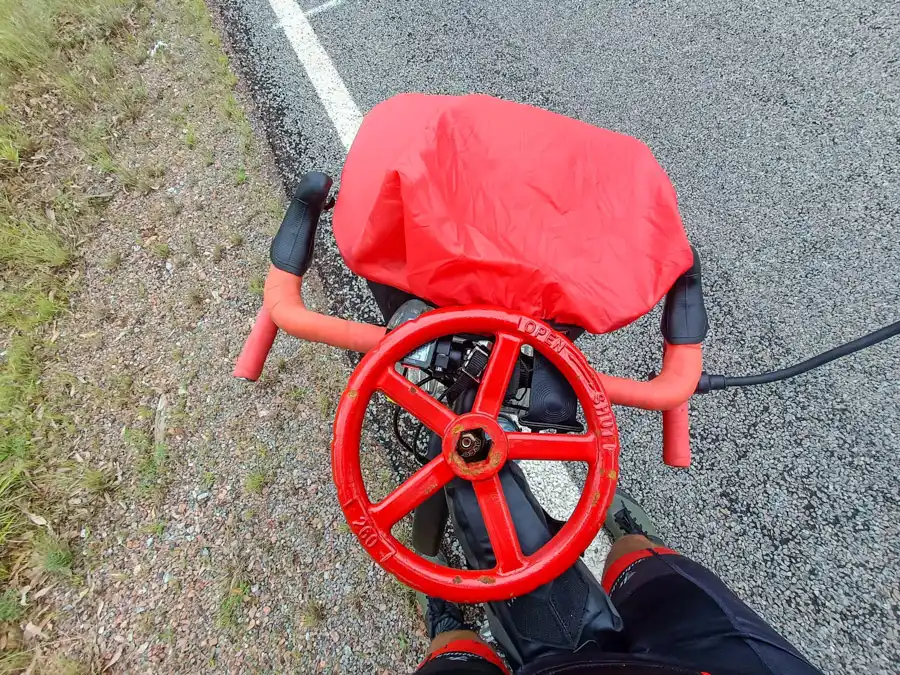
207 480
313 614
10 608
157 528
97 481
161 250
68 94
52 555
257 285
255 482
236 594
150 461
50 51
14 661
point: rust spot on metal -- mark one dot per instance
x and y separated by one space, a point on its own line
487 580
474 470
612 474
457 580
467 470
412 389
352 393
457 429
595 499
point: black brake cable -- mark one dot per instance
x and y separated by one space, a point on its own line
414 448
716 382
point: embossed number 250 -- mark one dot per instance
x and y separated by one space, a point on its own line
366 533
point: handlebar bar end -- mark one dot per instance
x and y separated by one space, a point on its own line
677 437
253 356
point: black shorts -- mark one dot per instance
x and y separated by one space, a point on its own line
679 617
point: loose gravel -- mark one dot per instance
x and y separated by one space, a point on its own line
219 546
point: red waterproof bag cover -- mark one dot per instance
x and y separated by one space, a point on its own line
474 200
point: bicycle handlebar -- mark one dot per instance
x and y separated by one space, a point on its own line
684 325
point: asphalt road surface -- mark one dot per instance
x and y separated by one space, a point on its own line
779 124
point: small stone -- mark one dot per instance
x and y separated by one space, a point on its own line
202 497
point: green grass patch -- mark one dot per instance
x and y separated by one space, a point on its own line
151 461
29 242
10 608
52 556
313 614
156 528
257 285
14 661
207 480
190 137
161 250
236 595
12 490
15 144
97 481
129 102
255 482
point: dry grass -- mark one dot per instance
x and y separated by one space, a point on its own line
235 596
53 556
55 56
69 94
313 614
78 94
255 482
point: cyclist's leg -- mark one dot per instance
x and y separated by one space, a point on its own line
677 611
458 651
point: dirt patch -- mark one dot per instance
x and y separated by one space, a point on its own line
194 518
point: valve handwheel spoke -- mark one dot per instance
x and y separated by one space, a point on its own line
416 401
475 448
555 447
495 380
412 492
499 523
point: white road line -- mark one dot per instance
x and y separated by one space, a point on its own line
551 484
325 78
324 7
554 489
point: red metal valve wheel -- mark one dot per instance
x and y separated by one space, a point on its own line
515 573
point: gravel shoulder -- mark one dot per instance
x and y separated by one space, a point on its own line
213 541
